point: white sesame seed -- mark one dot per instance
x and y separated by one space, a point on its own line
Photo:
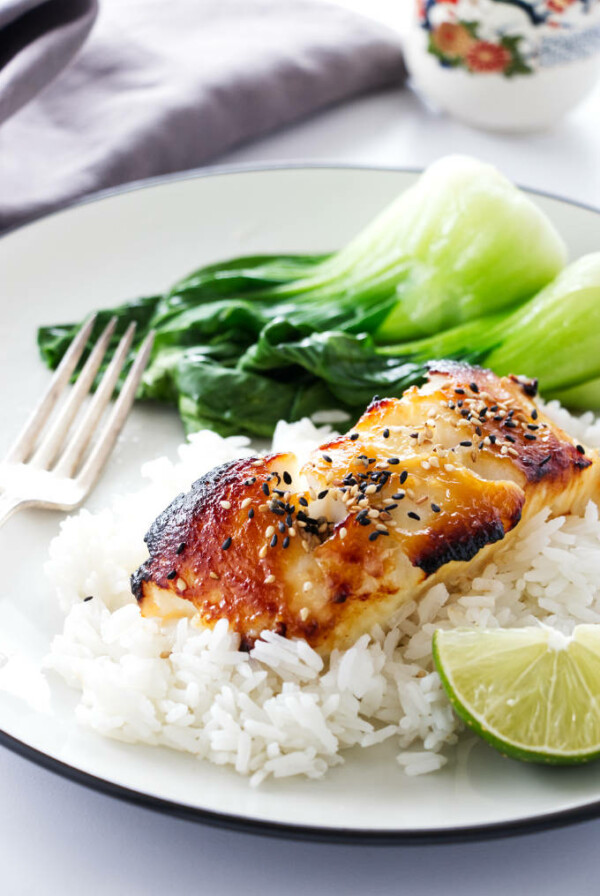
270 579
373 514
263 552
370 489
270 530
291 531
307 586
425 465
256 463
213 575
303 613
226 505
245 502
343 532
181 585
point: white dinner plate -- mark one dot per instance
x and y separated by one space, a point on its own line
136 242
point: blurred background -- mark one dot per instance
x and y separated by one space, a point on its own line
95 96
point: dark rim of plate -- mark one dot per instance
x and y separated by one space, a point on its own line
511 828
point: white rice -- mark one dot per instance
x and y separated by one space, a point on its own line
281 710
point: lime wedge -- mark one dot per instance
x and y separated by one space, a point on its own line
532 693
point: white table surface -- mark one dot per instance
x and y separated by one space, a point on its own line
57 837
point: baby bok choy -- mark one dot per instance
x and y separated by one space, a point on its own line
243 343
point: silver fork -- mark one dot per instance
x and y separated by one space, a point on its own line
54 473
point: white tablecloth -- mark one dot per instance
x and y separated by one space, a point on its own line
56 837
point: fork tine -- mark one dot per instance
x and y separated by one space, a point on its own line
118 415
26 438
50 445
82 435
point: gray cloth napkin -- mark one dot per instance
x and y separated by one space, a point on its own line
37 39
165 85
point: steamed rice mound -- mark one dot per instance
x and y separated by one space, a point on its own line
281 709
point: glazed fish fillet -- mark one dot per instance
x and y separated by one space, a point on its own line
422 489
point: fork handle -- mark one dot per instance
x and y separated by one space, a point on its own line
8 505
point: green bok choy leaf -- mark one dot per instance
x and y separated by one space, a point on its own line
448 270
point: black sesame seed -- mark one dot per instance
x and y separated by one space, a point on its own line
465 413
460 403
530 437
466 444
287 478
251 513
89 597
250 481
375 398
534 414
273 542
460 391
398 497
498 418
289 520
326 458
510 424
413 515
365 521
226 544
172 574
474 387
436 508
354 436
581 449
374 536
265 489
286 542
492 439
278 491
478 430
282 527
303 501
181 548
493 408
393 461
389 507
403 476
545 460
323 494
532 426
386 433
451 405
382 532
513 440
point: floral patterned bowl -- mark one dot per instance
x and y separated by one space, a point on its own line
505 64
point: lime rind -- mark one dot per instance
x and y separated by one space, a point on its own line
534 695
